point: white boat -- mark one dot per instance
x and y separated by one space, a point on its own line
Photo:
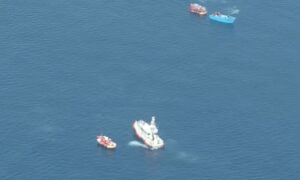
148 133
198 9
106 142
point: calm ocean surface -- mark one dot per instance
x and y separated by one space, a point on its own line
226 97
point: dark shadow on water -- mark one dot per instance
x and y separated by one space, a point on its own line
197 19
219 24
105 150
198 16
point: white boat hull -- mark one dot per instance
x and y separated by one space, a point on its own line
152 140
109 144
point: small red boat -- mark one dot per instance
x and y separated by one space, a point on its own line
106 142
198 9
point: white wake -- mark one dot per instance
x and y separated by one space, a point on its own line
202 1
233 10
137 144
187 157
179 154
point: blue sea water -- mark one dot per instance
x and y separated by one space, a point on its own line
226 97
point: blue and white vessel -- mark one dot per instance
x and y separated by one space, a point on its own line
217 16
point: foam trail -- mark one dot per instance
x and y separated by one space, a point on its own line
224 1
137 144
233 10
187 157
